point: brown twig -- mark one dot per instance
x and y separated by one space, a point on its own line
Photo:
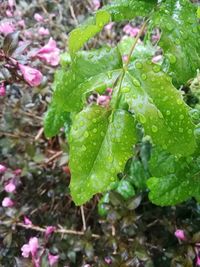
58 154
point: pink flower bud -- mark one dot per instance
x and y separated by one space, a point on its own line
9 13
2 168
10 187
7 202
27 221
6 27
2 89
180 234
108 260
53 259
131 31
124 58
49 230
21 23
11 3
109 26
32 76
96 4
198 261
43 31
49 53
109 91
103 100
38 17
156 58
17 172
30 248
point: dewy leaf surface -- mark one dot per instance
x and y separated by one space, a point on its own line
177 183
180 38
100 145
54 120
82 34
159 107
128 9
89 71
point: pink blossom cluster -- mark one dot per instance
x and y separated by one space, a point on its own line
9 187
48 53
104 100
35 251
130 30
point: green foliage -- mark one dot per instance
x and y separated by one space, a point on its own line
174 180
83 33
101 138
128 9
180 38
98 137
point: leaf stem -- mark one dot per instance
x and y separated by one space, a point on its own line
127 63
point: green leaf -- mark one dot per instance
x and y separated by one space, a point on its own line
125 189
180 38
179 182
90 71
100 145
82 34
54 119
140 51
159 107
128 9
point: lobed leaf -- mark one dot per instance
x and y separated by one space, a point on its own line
82 34
128 9
175 184
180 38
159 107
100 145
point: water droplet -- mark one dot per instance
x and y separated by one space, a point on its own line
94 120
86 134
83 148
156 68
189 131
125 89
94 130
179 101
144 76
142 118
138 65
180 130
181 117
168 112
136 82
172 58
154 129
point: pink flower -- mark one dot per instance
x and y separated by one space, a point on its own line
17 171
32 76
10 187
156 58
27 221
7 202
2 168
198 261
9 13
109 91
124 58
6 27
30 248
49 230
108 260
2 89
11 3
180 234
43 31
38 17
53 259
132 31
103 100
96 4
49 53
109 26
21 23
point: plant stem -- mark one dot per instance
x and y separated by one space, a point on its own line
127 63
